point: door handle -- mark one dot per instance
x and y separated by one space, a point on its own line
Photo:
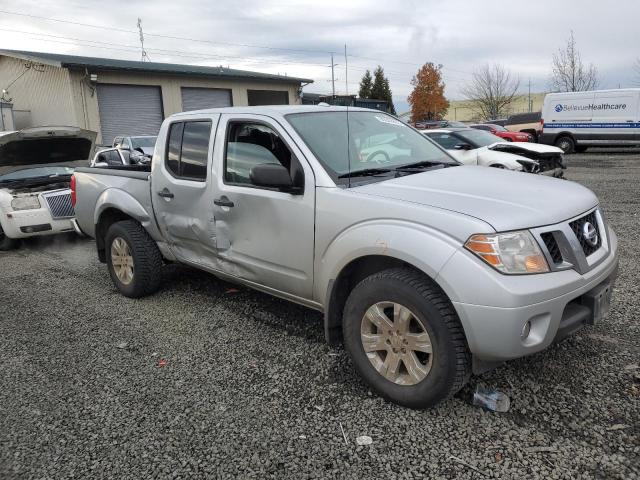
223 201
164 193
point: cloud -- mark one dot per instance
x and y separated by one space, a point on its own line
400 36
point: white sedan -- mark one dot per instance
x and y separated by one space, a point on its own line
477 147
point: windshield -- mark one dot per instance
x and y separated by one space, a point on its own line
143 142
36 172
373 140
479 138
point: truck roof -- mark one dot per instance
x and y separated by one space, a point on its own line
276 110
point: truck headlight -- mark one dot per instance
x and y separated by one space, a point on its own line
510 253
25 203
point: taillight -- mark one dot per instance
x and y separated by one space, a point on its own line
72 186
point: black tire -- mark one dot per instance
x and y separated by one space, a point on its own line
566 144
147 259
451 362
7 243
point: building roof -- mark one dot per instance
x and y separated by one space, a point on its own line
94 64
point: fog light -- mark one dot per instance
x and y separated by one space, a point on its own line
526 329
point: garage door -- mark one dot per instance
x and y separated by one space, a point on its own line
199 98
267 97
129 110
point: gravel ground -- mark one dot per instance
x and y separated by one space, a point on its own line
201 381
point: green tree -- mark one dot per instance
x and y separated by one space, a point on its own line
380 89
365 85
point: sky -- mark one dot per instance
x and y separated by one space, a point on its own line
296 38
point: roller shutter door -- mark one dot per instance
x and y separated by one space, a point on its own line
129 110
267 97
199 98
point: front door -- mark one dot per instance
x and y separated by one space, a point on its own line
264 235
182 189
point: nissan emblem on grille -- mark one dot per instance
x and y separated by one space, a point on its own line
590 234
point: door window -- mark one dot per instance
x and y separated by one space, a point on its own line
188 149
251 144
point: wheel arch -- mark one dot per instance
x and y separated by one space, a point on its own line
108 217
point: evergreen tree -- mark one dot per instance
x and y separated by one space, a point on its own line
381 89
365 85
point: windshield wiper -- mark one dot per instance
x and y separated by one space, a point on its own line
423 164
367 172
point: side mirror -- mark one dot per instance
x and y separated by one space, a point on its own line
463 146
272 175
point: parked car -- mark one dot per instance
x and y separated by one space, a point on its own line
142 143
425 269
526 123
118 157
502 132
439 124
577 120
476 147
35 170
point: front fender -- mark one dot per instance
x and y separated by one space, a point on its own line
122 201
424 248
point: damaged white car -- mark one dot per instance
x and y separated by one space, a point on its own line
477 147
36 165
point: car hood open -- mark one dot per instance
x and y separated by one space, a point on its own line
525 149
40 146
506 200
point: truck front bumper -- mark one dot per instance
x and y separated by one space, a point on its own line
524 314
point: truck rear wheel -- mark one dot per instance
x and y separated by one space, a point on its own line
133 259
6 243
405 339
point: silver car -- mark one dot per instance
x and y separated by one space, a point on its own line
425 269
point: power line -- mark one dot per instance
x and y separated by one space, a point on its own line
171 37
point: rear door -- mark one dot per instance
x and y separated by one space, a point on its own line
615 116
182 189
265 236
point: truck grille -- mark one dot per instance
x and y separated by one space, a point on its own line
577 227
60 204
551 244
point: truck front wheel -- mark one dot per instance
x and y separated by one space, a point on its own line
133 259
405 339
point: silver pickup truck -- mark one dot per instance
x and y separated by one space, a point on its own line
425 270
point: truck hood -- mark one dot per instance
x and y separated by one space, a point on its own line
505 200
41 146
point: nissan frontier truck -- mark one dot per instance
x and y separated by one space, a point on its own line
425 270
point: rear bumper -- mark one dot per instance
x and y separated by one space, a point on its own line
562 306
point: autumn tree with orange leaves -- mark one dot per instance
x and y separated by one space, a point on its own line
427 98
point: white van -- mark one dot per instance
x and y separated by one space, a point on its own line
576 120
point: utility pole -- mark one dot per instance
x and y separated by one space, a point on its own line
333 78
529 94
144 55
346 80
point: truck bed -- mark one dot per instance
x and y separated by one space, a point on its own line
121 186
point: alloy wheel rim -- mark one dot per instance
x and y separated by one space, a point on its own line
122 260
396 343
